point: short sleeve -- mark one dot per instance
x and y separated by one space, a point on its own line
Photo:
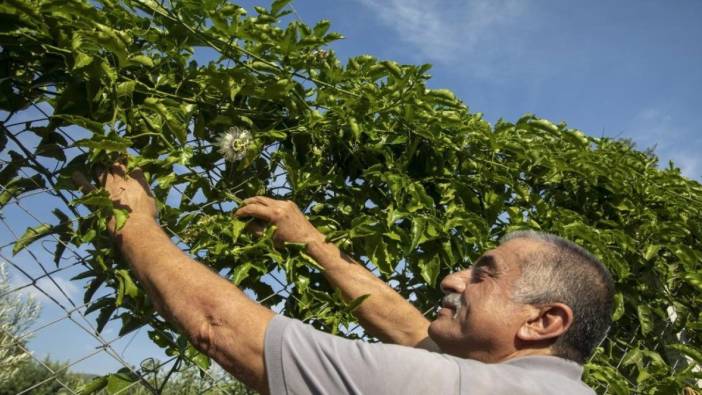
303 360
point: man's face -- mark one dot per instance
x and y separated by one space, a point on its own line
478 318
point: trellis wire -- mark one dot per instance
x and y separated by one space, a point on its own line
74 313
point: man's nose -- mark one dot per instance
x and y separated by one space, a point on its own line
455 282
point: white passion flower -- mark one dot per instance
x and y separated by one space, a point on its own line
234 143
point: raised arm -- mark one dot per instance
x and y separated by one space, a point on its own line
384 314
217 317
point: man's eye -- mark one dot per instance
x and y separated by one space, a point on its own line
477 274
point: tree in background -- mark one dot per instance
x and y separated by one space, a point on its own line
403 177
176 378
45 377
17 312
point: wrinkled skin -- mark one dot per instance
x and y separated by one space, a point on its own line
489 326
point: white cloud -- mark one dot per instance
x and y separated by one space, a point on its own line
447 31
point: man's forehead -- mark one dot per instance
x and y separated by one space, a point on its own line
487 259
512 253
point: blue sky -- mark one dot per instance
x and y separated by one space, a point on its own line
613 68
620 69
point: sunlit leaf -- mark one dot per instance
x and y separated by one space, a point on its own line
29 236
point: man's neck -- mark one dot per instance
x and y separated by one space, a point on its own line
527 352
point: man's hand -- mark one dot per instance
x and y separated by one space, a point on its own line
127 191
291 224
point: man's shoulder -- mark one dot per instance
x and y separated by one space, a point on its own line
529 374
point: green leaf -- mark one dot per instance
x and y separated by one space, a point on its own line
82 60
265 66
420 198
442 94
142 59
278 5
645 318
125 88
379 255
29 236
355 129
608 376
321 27
633 357
161 339
125 286
544 124
113 40
198 358
651 251
695 279
419 226
98 198
237 228
311 262
91 288
18 185
93 386
429 269
693 352
333 37
118 382
240 273
393 68
120 215
686 255
356 303
618 306
130 323
63 240
108 144
104 316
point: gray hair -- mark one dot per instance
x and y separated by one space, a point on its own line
564 272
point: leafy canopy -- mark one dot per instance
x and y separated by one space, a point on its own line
403 177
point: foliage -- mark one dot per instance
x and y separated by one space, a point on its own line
32 373
180 381
17 312
403 177
177 379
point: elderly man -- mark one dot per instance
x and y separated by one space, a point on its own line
522 320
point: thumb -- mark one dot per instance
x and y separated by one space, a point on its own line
82 182
256 226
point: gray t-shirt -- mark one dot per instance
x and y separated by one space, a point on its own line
303 360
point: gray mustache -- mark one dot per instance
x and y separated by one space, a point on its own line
454 299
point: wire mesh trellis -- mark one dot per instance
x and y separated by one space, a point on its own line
33 273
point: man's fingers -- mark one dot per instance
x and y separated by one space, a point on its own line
262 200
82 182
254 210
118 169
102 176
256 226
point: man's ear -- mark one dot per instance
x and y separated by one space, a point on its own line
546 322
